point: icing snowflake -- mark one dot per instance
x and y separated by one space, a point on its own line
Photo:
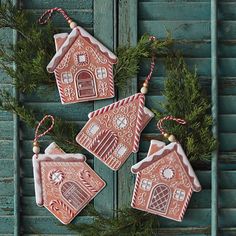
167 173
56 176
120 121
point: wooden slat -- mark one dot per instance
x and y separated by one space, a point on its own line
127 36
105 18
45 4
214 110
171 11
49 224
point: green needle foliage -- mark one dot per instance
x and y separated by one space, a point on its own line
184 99
32 51
128 222
130 57
63 133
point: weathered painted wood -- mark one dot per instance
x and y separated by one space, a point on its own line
105 18
66 112
45 4
193 218
6 149
7 168
49 224
214 110
6 223
226 103
6 128
171 11
127 36
83 18
6 205
187 30
6 186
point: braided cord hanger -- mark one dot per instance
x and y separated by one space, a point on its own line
160 124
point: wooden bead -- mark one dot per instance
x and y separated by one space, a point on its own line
144 90
166 135
35 143
73 25
36 149
69 21
145 84
172 138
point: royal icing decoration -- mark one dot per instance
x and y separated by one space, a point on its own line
83 67
113 132
165 181
64 183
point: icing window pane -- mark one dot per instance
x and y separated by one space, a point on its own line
179 194
121 150
101 72
146 184
93 129
67 78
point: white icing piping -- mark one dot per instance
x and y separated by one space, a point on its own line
63 49
157 143
69 41
61 35
170 146
148 112
95 41
37 173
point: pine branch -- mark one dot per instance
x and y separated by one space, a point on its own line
128 222
32 51
63 133
130 57
184 98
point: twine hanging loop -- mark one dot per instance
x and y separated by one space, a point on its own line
160 124
47 15
36 148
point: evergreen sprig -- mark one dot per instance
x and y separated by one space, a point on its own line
130 57
127 221
185 99
31 52
63 133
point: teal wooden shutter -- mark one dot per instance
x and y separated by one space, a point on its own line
116 23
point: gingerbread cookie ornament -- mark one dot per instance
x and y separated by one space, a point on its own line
113 132
64 183
165 179
82 65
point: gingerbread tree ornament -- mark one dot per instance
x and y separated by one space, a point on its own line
64 183
165 179
113 132
82 65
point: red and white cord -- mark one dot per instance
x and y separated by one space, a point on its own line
163 131
47 15
144 89
36 148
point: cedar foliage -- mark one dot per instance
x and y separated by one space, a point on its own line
31 52
185 99
130 57
63 133
127 222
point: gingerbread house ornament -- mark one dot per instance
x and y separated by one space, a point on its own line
113 132
82 65
64 183
165 181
